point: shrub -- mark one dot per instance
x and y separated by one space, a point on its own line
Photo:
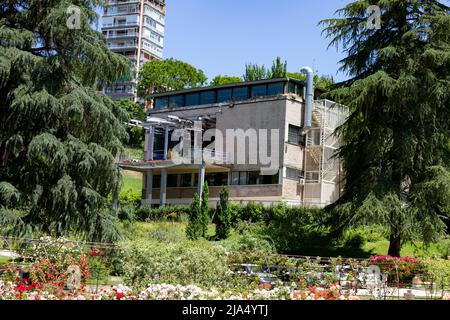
399 270
223 216
175 214
174 263
130 198
194 228
437 271
127 213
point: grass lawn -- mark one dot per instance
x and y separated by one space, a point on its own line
3 260
408 250
132 181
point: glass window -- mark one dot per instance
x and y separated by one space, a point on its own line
208 97
240 93
217 179
253 178
224 95
176 101
172 180
161 103
300 90
186 180
294 174
269 179
294 134
156 181
274 89
192 99
243 178
259 91
235 178
292 88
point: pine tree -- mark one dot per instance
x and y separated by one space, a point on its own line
396 140
223 226
193 230
58 136
205 211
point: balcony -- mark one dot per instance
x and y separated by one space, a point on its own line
122 35
122 46
119 25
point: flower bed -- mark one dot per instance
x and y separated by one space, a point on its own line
21 291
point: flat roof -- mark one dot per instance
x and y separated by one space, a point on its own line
225 86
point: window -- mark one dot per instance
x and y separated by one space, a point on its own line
292 88
259 91
295 135
172 180
156 181
208 97
253 178
186 180
294 174
161 103
192 99
235 178
240 93
245 178
274 89
269 179
217 179
176 101
224 95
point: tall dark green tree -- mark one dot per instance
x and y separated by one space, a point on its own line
396 139
58 136
223 226
194 228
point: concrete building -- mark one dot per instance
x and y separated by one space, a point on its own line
134 28
298 167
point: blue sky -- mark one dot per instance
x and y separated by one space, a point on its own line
221 36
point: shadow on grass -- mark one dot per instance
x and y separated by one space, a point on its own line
321 245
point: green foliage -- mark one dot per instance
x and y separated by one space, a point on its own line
127 213
58 136
223 224
438 271
322 81
99 271
194 228
221 80
254 72
205 217
176 214
130 198
174 263
397 135
135 112
161 76
278 70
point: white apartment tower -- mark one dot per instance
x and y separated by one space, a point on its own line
134 28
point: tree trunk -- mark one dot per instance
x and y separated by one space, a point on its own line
394 246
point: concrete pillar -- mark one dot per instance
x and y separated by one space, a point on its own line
151 143
163 189
201 179
166 142
149 188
